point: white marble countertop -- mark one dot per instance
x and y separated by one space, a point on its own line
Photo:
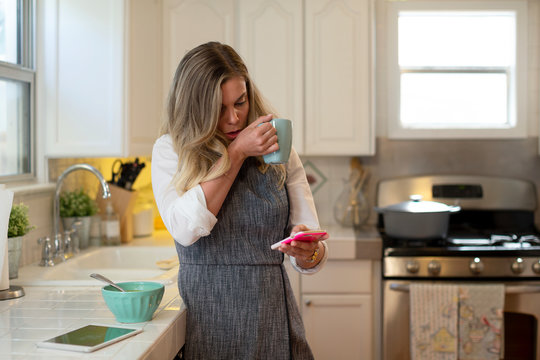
45 312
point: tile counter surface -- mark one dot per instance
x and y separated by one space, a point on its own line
45 312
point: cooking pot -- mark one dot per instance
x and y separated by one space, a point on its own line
416 219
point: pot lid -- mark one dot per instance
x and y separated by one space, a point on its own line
416 205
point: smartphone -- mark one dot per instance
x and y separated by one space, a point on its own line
309 235
88 338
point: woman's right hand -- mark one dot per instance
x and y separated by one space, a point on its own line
258 138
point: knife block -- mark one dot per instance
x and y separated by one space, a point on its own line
123 203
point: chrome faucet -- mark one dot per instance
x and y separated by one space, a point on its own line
58 246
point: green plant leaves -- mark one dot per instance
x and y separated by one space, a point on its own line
77 203
19 223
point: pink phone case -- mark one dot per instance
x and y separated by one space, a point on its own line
301 236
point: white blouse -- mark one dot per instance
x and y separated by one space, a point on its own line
186 216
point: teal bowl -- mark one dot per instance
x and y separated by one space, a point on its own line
137 304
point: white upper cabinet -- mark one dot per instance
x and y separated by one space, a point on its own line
188 23
271 43
99 76
105 68
313 61
339 77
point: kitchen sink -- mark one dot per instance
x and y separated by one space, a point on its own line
118 263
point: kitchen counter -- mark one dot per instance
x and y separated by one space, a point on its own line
347 243
45 312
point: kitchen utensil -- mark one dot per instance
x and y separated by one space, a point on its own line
107 280
130 171
137 304
116 173
416 219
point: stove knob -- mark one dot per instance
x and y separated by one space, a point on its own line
412 266
434 267
536 267
476 266
518 266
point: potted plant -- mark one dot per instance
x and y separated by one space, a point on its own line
76 210
18 226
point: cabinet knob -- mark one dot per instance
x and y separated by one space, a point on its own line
308 302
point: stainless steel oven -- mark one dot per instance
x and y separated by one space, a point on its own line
493 239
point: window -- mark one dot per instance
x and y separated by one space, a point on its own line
456 69
16 90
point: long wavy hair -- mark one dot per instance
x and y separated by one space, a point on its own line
193 110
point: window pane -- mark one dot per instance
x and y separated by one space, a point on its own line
14 127
454 100
453 38
9 34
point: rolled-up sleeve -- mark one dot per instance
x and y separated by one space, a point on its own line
185 215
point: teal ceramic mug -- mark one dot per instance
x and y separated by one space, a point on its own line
284 134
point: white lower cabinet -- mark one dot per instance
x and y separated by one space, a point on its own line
338 326
338 310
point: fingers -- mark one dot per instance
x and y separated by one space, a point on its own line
300 249
261 119
258 138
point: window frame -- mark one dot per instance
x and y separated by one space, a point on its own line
519 103
25 73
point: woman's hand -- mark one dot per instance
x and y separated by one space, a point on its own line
256 140
303 251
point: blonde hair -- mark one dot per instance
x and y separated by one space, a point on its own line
193 111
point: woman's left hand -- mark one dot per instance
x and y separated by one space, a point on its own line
303 251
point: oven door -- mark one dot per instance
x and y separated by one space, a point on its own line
521 298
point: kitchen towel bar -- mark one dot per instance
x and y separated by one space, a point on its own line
513 289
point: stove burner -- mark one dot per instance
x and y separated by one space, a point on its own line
505 240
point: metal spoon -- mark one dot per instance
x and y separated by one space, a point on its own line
104 279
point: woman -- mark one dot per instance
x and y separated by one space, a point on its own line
225 208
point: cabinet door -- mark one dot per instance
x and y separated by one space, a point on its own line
188 23
337 277
81 68
270 40
339 77
144 94
339 326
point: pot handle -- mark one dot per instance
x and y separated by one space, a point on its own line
454 208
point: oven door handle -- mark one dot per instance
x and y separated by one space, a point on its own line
512 289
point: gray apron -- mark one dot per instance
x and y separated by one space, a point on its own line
238 297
